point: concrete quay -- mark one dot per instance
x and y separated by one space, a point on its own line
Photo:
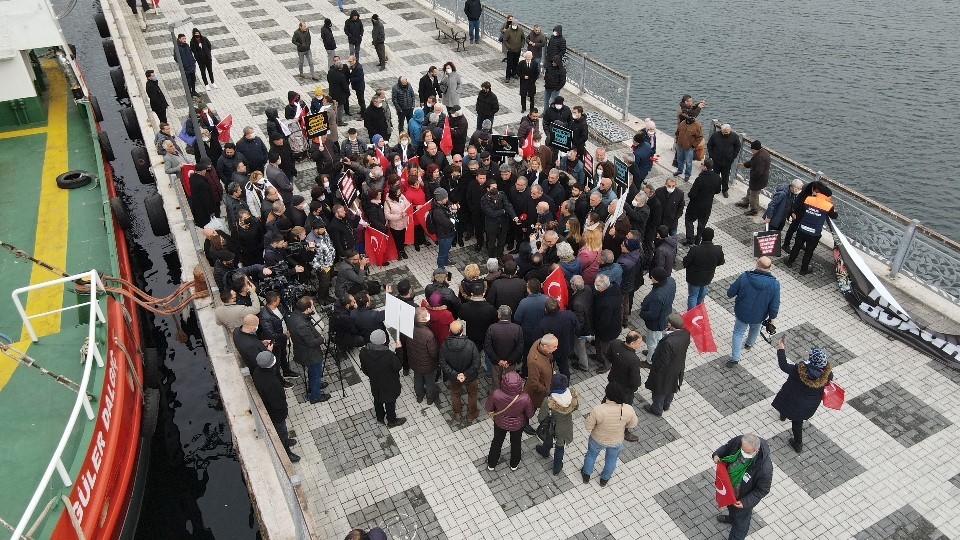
885 462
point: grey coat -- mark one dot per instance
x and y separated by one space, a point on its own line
450 97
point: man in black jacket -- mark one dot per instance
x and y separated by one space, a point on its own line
723 148
607 311
503 345
671 203
345 332
554 110
429 87
307 345
247 343
342 232
477 314
705 186
273 328
460 362
339 88
625 369
487 104
353 28
564 325
509 290
383 366
444 224
269 384
497 212
366 319
203 204
667 365
358 83
701 263
528 70
158 102
581 304
751 471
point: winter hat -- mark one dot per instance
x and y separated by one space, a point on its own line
817 362
318 91
204 164
378 337
755 145
649 124
440 194
707 234
436 299
675 320
297 200
377 138
558 384
659 274
558 99
633 244
453 108
484 155
226 255
265 359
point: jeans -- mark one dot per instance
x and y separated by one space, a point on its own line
661 402
808 244
456 390
340 4
652 337
314 379
739 327
685 162
609 460
385 410
548 97
355 51
740 519
499 434
403 114
580 349
696 294
309 57
474 30
445 244
425 385
544 451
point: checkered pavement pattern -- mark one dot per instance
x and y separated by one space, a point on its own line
885 466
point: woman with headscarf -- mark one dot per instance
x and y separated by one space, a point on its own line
560 405
510 409
802 393
606 424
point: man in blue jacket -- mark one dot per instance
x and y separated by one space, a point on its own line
758 299
657 307
781 204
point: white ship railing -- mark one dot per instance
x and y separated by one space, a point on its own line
83 397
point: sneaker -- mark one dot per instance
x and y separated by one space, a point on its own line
398 422
291 443
287 384
215 85
321 399
293 457
585 476
207 86
603 483
747 347
291 375
489 468
724 518
512 468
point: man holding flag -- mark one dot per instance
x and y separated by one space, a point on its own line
667 364
747 462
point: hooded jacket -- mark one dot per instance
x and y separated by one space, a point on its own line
353 28
326 35
758 296
665 254
562 415
555 76
557 46
200 47
801 394
487 104
415 128
459 355
658 304
274 129
510 417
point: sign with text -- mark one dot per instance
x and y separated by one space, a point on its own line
588 170
561 137
766 243
504 145
316 124
621 180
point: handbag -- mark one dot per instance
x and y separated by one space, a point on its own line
547 430
512 401
833 396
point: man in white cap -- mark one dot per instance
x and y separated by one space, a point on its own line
269 383
382 366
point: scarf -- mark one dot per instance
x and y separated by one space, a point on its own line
739 468
564 398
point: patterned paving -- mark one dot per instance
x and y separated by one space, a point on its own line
426 477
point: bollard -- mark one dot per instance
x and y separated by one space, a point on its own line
904 248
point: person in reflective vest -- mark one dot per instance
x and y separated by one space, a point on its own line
813 215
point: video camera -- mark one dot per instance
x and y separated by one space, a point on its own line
297 248
770 328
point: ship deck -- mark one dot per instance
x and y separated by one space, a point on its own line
64 228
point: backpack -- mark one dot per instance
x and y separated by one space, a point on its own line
428 221
547 429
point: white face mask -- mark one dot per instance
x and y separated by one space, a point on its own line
670 189
536 144
745 455
326 185
449 70
576 116
514 27
558 106
397 164
518 158
555 34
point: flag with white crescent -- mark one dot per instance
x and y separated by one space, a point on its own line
420 217
726 495
379 247
697 322
555 286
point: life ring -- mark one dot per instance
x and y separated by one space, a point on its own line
73 179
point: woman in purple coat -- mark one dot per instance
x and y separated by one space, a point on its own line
510 409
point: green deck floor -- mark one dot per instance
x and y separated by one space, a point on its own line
33 407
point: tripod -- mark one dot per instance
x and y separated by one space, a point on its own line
331 349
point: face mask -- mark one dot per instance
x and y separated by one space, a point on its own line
154 78
555 34
536 144
576 116
745 455
670 189
518 158
514 27
404 142
326 185
449 70
397 164
558 106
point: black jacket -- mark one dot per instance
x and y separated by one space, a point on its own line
606 313
271 326
496 213
504 341
507 291
307 341
671 205
668 361
355 75
761 472
557 46
459 355
201 49
302 39
705 186
202 202
701 263
157 100
487 103
345 330
343 236
565 326
581 304
269 385
724 149
248 347
473 10
367 320
442 221
531 73
375 120
326 35
625 367
339 85
555 77
429 86
478 315
378 33
382 366
353 28
654 221
581 132
800 395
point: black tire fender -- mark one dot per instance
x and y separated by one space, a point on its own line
141 160
120 212
151 368
105 146
95 105
102 27
74 179
156 215
119 83
131 123
110 51
150 414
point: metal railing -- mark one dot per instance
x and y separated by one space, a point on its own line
83 397
588 76
928 257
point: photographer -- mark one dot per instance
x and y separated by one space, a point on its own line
352 275
344 329
365 317
307 343
226 266
273 328
758 303
276 255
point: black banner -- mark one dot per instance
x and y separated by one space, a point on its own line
561 137
621 180
316 124
504 145
766 244
875 305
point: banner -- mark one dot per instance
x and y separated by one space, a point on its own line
621 180
767 243
561 137
420 217
726 495
348 191
874 304
223 129
697 322
379 247
509 145
316 124
555 286
589 170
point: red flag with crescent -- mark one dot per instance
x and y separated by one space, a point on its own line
420 217
555 286
223 128
408 238
379 247
384 162
446 142
726 495
527 150
697 322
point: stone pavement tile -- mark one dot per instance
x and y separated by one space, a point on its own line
801 338
353 443
241 71
223 43
421 58
653 432
692 506
495 67
397 6
531 484
257 107
405 515
821 467
728 389
904 524
228 57
391 275
503 109
413 15
955 480
253 88
822 270
266 23
332 375
597 532
404 45
902 415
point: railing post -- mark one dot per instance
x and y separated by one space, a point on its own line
434 5
64 476
583 72
736 166
456 11
713 125
901 257
626 98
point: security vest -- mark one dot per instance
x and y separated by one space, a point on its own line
816 209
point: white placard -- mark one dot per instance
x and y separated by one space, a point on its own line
408 315
391 312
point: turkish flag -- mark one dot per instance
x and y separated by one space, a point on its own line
185 171
408 238
527 149
726 496
223 129
446 142
384 162
559 280
420 217
697 322
379 247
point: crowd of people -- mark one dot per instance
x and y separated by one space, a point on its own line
542 214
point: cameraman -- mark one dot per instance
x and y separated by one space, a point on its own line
758 303
352 275
345 332
226 267
273 328
276 255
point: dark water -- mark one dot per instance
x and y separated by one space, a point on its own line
195 487
865 91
